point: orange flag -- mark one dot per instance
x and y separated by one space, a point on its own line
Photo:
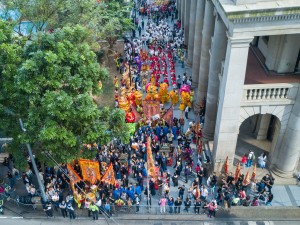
237 172
226 166
254 172
109 176
90 170
74 177
150 161
246 179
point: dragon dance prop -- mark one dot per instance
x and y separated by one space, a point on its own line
163 92
185 97
150 161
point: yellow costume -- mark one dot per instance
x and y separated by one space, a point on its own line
163 92
138 98
152 80
116 82
123 103
174 97
185 100
151 93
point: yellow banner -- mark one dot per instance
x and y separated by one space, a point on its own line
74 177
109 176
90 170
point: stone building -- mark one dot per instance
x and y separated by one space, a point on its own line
244 56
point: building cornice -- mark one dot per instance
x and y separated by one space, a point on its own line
264 15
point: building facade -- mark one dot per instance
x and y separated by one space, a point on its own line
244 56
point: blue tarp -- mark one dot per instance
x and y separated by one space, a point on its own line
10 14
26 27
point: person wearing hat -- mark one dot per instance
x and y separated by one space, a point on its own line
95 211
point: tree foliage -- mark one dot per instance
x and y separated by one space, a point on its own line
106 20
49 82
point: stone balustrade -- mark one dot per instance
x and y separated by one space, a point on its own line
283 93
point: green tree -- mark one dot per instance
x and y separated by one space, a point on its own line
49 83
109 19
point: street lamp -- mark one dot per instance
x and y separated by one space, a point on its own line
41 186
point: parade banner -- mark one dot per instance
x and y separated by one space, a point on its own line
150 161
237 172
226 166
136 114
253 173
74 177
90 170
168 117
151 108
109 176
246 180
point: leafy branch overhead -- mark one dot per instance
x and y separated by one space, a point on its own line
49 83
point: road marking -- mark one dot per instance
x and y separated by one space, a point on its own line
3 217
17 217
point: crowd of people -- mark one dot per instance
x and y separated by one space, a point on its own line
161 44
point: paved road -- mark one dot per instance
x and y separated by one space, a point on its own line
19 221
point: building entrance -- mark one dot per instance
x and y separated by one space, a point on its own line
258 133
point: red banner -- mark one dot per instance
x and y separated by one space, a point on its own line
151 108
109 176
168 117
136 114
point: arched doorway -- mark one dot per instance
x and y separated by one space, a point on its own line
258 133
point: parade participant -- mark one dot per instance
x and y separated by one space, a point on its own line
95 211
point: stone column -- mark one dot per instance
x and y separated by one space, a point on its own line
192 32
218 52
182 13
197 42
288 155
262 126
179 9
289 54
208 29
187 21
231 91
